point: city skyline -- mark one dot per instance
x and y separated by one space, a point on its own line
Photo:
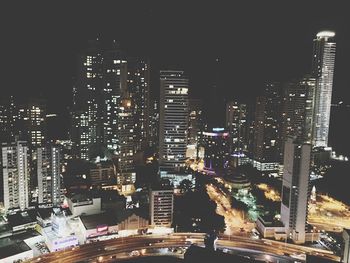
158 127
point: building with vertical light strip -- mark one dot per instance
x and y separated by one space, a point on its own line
15 175
295 189
173 120
48 174
323 70
236 124
161 207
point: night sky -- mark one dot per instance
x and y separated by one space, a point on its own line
255 42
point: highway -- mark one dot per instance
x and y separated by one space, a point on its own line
104 251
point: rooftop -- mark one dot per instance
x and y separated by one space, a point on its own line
13 249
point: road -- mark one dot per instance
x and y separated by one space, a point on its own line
103 251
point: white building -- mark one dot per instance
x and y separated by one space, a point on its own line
173 125
323 70
48 172
84 205
15 173
161 207
295 189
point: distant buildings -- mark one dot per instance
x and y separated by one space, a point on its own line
323 70
15 175
295 189
173 125
161 207
195 128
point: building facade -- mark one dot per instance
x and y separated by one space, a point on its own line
323 61
295 189
173 120
49 174
15 173
161 207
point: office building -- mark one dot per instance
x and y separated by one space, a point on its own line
216 149
237 126
323 61
49 174
161 207
15 175
173 126
295 189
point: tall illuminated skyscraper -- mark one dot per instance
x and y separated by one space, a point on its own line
323 70
173 120
15 175
236 124
48 174
139 90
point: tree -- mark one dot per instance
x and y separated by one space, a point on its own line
186 186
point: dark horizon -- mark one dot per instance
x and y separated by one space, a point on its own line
255 44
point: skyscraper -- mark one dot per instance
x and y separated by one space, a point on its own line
236 124
139 89
295 188
87 97
173 120
126 149
48 174
114 86
195 127
298 109
323 70
267 141
15 175
8 119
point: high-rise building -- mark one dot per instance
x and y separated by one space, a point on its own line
236 124
126 149
323 70
139 89
114 87
195 127
298 110
32 123
15 175
161 207
295 188
346 251
216 149
154 124
48 174
8 119
173 126
267 143
86 114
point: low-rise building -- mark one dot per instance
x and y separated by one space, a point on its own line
83 204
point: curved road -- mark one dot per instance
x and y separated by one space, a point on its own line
108 249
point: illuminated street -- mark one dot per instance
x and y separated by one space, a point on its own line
269 192
136 246
329 214
234 219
